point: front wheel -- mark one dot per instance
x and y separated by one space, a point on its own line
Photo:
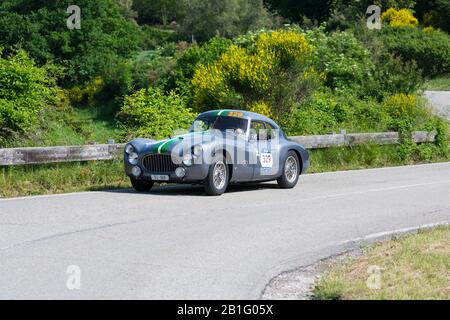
291 171
217 181
141 185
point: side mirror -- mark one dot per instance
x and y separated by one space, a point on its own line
253 137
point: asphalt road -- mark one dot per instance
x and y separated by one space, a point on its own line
440 101
177 243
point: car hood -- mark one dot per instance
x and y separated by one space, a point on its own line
182 142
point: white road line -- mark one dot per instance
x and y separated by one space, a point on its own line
337 195
385 234
406 186
437 164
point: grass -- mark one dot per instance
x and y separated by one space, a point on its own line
60 178
85 129
411 267
365 156
360 157
73 126
438 84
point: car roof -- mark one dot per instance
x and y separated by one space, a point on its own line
239 114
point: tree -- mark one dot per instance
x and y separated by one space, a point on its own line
227 18
297 10
435 13
40 28
127 9
159 11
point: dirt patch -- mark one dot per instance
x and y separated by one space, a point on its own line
298 284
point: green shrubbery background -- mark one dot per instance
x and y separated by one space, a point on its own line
146 68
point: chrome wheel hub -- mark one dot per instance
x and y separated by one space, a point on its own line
219 175
291 169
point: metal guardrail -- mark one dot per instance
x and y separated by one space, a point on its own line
42 155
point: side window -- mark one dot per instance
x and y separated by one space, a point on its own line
272 133
258 128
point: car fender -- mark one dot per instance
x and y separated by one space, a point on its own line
302 153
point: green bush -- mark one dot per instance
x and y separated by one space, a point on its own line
151 67
179 78
151 113
153 38
391 74
430 50
406 107
326 111
357 61
25 91
410 113
342 58
39 28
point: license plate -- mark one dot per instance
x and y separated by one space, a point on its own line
160 177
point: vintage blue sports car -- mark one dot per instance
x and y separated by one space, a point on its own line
221 147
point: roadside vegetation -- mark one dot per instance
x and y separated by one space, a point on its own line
107 175
147 68
413 267
61 178
441 83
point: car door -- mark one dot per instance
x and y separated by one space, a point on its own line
266 149
242 153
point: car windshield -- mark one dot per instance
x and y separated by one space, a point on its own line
221 123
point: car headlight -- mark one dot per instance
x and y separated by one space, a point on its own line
129 148
197 150
187 160
136 171
133 158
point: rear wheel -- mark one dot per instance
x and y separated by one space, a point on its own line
141 185
217 181
291 171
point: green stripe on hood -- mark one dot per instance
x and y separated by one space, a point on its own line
164 147
156 146
222 112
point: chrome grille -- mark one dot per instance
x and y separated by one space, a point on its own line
158 163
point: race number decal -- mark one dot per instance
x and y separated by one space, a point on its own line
266 160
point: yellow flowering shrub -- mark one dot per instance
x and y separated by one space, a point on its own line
262 108
399 18
209 85
88 92
410 106
283 45
245 75
400 104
